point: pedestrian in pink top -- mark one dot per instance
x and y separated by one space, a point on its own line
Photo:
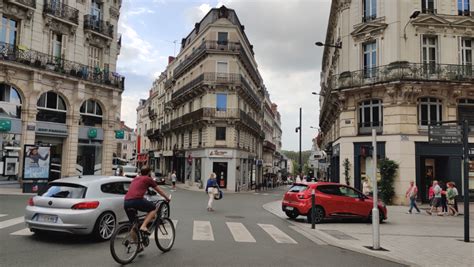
411 195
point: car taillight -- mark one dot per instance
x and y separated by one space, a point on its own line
303 196
30 202
85 205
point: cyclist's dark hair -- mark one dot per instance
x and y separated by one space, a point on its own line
145 170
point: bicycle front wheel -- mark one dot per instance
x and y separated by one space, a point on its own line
164 234
124 244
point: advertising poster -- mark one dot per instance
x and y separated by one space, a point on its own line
36 162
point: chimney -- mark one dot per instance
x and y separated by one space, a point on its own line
171 59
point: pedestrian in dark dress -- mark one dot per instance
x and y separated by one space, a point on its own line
444 201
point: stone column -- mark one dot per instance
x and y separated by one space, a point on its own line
109 146
70 144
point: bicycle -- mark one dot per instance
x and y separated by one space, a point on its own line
128 240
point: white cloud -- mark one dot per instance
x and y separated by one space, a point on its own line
129 108
140 11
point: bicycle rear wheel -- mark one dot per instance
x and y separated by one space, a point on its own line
164 234
124 244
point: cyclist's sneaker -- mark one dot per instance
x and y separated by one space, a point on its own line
146 232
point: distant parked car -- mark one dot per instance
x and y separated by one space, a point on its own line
159 178
80 205
129 171
332 201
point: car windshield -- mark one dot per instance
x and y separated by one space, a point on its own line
298 188
129 169
57 190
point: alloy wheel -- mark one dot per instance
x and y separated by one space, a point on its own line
107 226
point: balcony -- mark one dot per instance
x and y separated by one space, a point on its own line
153 134
228 113
205 47
366 127
38 60
61 11
96 25
269 145
193 88
149 132
403 71
28 4
152 113
249 121
165 127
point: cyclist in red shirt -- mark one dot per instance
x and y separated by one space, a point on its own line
134 199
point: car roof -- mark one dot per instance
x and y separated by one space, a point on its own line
91 179
312 184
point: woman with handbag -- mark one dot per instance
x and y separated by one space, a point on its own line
211 190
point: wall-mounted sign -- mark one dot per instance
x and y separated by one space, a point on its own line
5 125
92 133
51 129
220 153
445 134
36 162
30 127
119 134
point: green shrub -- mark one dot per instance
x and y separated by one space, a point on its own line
388 170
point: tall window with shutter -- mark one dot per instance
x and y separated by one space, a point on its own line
95 57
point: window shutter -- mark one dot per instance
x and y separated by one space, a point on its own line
51 43
63 46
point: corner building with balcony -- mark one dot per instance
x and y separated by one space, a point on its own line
397 71
58 84
207 107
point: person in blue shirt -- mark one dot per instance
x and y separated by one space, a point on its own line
211 190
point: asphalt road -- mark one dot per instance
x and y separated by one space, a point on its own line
21 248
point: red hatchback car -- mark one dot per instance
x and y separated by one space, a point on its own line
332 201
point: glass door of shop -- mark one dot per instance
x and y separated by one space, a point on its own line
220 169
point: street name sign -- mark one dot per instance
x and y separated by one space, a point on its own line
445 134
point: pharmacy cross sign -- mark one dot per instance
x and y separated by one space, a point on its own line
445 134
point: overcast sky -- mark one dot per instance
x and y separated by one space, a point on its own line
283 33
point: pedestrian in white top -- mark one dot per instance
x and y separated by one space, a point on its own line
173 180
298 179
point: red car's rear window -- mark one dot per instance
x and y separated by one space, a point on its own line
298 188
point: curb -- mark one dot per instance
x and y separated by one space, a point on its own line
331 241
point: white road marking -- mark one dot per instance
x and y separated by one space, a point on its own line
24 232
3 215
202 230
277 235
8 223
239 232
310 237
265 194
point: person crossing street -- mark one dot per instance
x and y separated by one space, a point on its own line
411 194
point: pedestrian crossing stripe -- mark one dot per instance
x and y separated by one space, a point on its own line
278 235
3 215
240 233
8 223
202 231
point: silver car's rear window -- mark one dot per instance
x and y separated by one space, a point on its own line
60 190
129 169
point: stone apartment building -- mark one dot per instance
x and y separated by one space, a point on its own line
396 71
58 82
206 110
126 147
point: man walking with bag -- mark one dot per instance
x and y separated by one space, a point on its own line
411 195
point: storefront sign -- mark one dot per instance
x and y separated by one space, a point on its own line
52 129
92 133
220 153
445 134
30 127
5 125
119 134
36 162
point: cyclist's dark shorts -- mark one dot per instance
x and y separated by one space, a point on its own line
140 204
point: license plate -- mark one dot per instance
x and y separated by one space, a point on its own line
289 208
47 218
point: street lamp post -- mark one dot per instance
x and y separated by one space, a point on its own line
298 129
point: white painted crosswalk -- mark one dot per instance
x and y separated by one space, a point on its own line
201 231
239 232
10 222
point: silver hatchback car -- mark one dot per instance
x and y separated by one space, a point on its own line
81 205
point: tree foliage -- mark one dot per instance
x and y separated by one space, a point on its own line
347 169
388 170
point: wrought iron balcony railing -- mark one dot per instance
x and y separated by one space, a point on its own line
25 3
366 127
62 11
217 78
269 145
403 71
95 24
200 51
58 65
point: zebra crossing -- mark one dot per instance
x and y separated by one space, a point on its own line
201 231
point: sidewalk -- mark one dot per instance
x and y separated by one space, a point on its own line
413 239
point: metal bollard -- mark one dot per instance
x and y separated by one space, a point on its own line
313 208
